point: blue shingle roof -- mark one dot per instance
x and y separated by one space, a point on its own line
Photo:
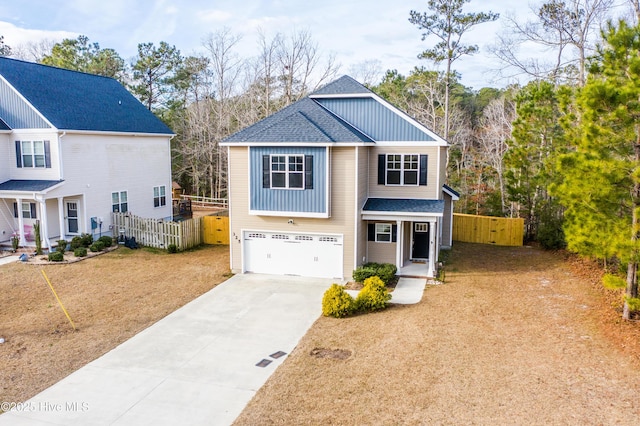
72 100
28 185
451 190
403 205
345 85
302 121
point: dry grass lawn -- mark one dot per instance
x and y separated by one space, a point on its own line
515 336
109 298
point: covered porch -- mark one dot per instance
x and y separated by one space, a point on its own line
23 203
405 232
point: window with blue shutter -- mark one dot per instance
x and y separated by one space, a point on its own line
402 169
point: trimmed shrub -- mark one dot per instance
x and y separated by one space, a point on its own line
62 246
106 240
87 239
76 242
373 296
172 248
56 256
97 246
385 271
80 252
337 303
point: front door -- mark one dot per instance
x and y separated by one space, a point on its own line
420 249
72 217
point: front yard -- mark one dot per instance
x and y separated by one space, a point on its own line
109 298
515 336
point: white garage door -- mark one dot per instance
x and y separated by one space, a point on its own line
282 253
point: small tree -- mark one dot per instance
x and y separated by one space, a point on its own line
38 238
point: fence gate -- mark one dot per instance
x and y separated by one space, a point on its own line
215 229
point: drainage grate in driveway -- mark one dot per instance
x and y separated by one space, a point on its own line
277 355
263 363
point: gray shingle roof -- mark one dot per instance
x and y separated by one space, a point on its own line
28 185
403 205
72 100
3 125
451 190
302 121
345 85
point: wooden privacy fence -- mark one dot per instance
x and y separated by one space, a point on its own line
160 234
500 231
157 232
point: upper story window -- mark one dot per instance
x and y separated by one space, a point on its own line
119 202
159 196
280 171
33 154
402 169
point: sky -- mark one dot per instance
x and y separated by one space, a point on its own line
354 31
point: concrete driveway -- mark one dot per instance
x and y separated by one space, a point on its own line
197 366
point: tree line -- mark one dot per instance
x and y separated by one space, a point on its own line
561 151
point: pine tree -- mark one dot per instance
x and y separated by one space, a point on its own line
601 187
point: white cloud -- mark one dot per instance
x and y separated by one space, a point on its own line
214 15
15 36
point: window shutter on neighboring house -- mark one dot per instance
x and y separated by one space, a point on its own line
18 155
266 173
423 169
381 168
47 154
308 172
32 207
394 233
371 232
15 209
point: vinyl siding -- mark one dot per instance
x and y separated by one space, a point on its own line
430 191
6 155
289 200
381 252
443 167
363 191
374 119
16 112
39 173
341 209
447 217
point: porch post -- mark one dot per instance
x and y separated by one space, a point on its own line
432 249
61 217
399 244
23 241
44 229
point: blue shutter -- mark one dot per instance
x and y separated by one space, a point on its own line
266 172
18 156
47 154
32 206
15 209
371 232
423 169
381 168
308 172
394 233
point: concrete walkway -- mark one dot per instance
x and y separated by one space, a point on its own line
199 365
407 292
8 259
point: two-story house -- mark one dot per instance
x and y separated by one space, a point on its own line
335 180
75 147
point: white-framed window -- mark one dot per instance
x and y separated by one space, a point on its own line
159 196
33 154
287 171
383 232
119 202
402 169
27 210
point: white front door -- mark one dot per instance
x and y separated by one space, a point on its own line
282 253
71 218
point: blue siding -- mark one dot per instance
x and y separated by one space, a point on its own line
374 119
16 113
289 200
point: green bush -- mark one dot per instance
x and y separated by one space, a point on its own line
80 252
385 271
106 240
56 256
373 296
337 303
172 248
97 246
62 246
87 239
76 242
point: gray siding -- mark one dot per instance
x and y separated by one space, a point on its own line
374 119
16 112
289 200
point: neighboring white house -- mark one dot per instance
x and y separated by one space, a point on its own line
74 148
